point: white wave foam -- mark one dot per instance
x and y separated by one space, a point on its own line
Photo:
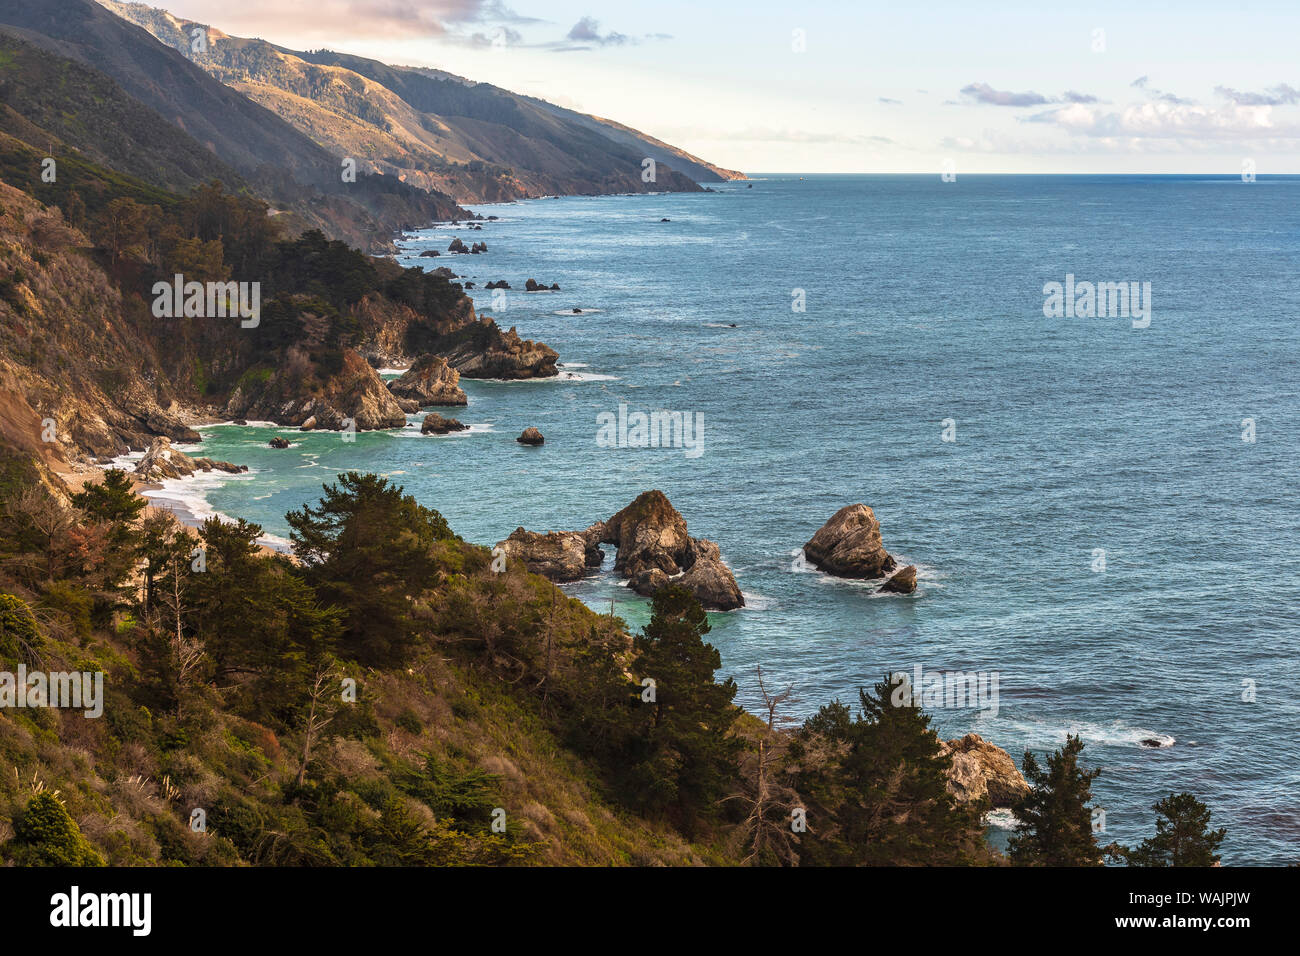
586 377
413 431
1117 733
1002 819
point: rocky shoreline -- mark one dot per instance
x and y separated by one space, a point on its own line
652 544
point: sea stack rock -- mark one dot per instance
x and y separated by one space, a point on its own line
903 581
651 537
557 555
458 246
279 442
429 381
531 436
649 533
850 546
981 769
435 424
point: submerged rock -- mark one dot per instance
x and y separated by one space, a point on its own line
849 545
278 442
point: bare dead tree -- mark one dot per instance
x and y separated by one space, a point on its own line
767 830
318 715
187 652
550 652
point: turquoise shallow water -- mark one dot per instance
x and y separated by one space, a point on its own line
924 303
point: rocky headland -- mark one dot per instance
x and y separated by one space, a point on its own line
162 461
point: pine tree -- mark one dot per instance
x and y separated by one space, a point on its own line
1055 827
1183 836
883 780
113 505
685 756
368 549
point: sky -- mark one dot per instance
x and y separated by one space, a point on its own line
860 87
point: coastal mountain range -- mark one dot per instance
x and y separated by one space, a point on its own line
116 127
474 141
133 166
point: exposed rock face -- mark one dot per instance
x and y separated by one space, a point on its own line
981 769
649 533
435 424
849 545
557 555
532 285
278 442
713 584
354 392
654 550
491 353
903 581
163 461
651 537
649 581
395 335
531 436
430 381
457 245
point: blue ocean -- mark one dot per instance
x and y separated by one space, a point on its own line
1101 509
